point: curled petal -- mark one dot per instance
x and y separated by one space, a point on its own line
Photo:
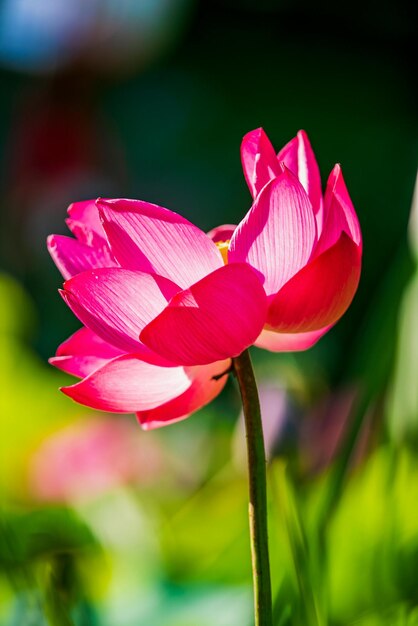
222 233
259 160
289 342
83 353
339 213
207 382
72 256
216 318
320 293
128 384
116 303
84 222
299 157
277 235
147 237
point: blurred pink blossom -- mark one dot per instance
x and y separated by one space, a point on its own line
90 457
326 427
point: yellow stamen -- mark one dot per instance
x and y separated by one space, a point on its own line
223 247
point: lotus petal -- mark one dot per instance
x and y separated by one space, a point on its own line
320 293
206 383
149 238
278 234
128 384
216 318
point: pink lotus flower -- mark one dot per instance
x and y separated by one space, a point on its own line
165 306
90 457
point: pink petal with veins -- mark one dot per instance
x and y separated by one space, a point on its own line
82 353
259 160
299 157
72 256
116 303
147 237
128 384
205 386
278 234
85 341
84 222
320 293
79 366
339 213
216 318
289 342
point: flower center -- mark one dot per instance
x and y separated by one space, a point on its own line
223 249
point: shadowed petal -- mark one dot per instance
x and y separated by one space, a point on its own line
72 257
82 353
84 222
339 213
216 318
289 342
85 341
277 235
79 366
299 157
116 303
320 293
259 160
204 388
222 233
149 238
128 384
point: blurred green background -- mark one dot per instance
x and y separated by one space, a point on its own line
103 524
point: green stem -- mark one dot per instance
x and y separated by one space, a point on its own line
257 487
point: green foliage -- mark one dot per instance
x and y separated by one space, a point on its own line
40 550
27 537
402 411
403 401
30 405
